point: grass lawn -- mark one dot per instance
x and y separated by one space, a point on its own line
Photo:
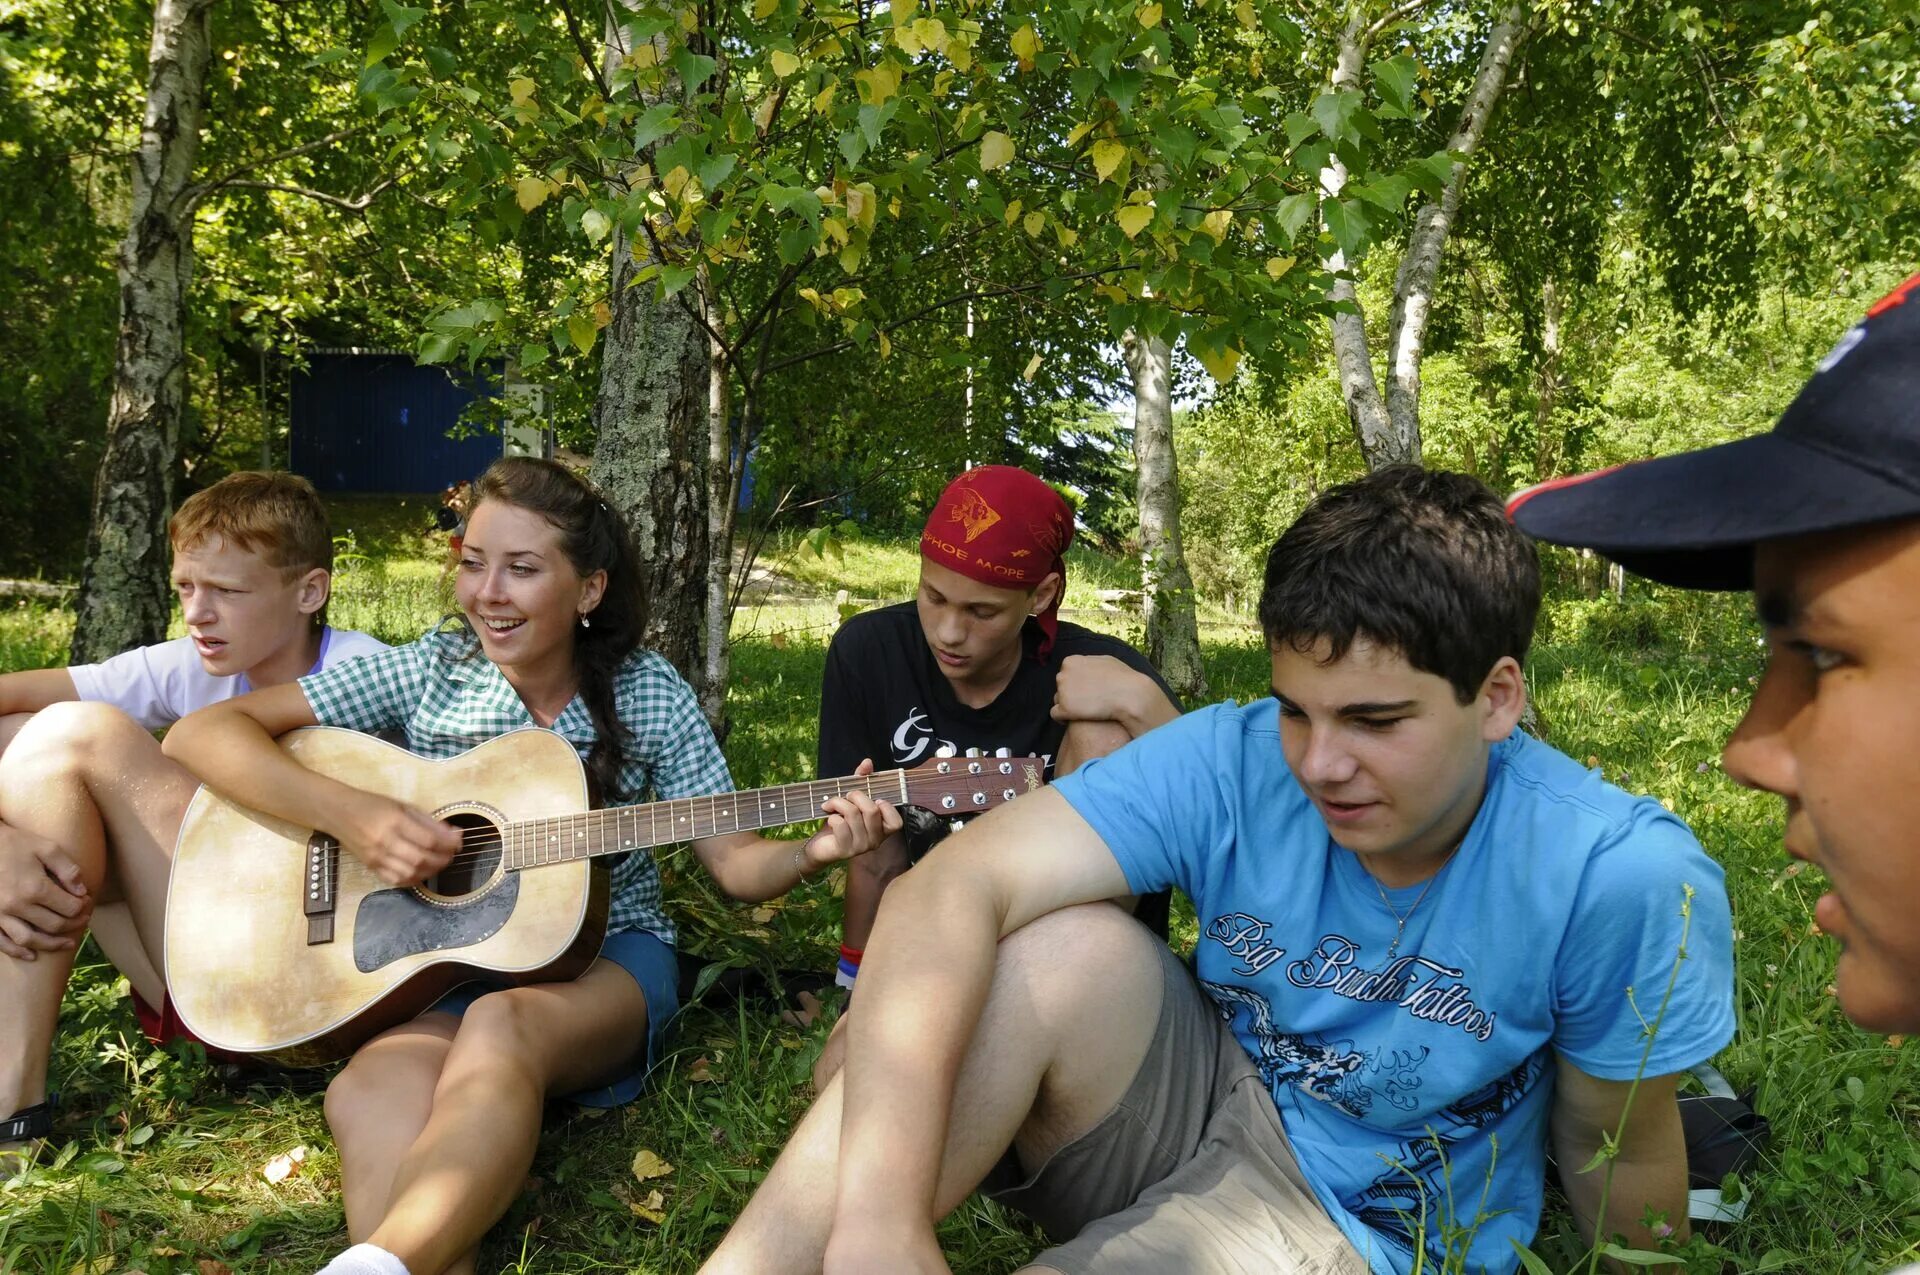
160 1168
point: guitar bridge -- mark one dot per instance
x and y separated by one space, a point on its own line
319 886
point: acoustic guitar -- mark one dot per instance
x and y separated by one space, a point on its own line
280 943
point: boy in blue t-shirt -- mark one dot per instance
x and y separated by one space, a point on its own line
1429 946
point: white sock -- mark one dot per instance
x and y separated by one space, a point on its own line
365 1259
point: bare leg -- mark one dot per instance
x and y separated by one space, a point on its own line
482 1123
378 1105
1075 999
86 777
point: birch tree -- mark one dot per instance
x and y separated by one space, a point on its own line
1173 638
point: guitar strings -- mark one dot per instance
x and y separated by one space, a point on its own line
483 843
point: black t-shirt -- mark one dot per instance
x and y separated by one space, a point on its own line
883 696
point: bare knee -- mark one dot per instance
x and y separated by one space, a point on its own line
497 1042
379 1082
1085 741
78 737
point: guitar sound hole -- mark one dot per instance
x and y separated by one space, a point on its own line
476 862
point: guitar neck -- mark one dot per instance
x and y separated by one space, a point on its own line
596 832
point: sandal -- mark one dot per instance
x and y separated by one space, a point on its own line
19 1133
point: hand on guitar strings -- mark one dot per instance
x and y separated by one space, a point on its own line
44 902
402 846
856 823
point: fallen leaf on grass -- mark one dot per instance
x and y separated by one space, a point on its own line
648 1165
653 1208
282 1167
165 1250
761 915
93 1266
208 1266
700 1072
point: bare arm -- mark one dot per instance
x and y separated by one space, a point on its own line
34 689
231 747
1101 688
750 867
922 987
1650 1171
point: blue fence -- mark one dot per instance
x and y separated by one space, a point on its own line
378 423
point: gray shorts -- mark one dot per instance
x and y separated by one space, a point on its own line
1191 1172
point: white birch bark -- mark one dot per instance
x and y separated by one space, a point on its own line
1420 264
1173 639
124 600
651 445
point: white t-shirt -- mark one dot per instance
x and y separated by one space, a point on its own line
158 685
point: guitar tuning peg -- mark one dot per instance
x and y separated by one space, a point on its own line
945 750
1003 752
973 752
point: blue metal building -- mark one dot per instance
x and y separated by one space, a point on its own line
374 421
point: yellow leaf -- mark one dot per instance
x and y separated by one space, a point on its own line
1032 368
1025 45
1149 15
1244 12
907 38
878 83
1134 218
862 204
581 332
1107 156
690 19
530 193
1220 363
763 113
835 229
961 55
93 1266
941 82
762 914
996 151
602 314
1217 223
1277 266
1066 234
933 33
642 56
652 1209
886 346
784 63
1079 131
675 181
823 100
1034 223
521 90
850 257
763 9
1013 212
648 1165
813 298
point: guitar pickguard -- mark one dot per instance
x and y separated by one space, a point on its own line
395 923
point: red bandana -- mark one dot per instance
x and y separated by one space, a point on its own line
1002 526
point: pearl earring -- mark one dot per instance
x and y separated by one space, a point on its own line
585 623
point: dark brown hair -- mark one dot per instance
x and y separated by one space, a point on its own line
594 539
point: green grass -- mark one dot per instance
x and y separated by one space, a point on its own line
158 1166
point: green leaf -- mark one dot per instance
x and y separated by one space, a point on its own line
1640 1256
796 241
436 347
715 169
654 123
1388 193
385 40
673 278
1299 126
401 16
595 224
441 61
1334 113
581 332
693 68
1529 1259
1347 224
1294 212
532 356
1395 78
1433 173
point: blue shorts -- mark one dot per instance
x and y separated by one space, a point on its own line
650 961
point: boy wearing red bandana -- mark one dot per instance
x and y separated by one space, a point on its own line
979 659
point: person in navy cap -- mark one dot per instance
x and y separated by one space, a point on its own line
1820 517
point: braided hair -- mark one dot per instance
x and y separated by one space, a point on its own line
594 539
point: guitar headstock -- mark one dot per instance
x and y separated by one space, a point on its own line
955 786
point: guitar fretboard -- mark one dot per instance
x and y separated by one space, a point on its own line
597 832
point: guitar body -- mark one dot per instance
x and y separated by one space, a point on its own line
279 942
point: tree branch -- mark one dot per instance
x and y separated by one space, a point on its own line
203 189
355 203
1390 19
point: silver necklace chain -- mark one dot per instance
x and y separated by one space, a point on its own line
1400 919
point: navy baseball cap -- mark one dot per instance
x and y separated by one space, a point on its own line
1844 454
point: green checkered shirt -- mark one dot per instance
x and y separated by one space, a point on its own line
448 698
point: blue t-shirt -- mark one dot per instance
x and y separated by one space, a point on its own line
1416 1091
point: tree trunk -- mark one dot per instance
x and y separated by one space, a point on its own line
1173 639
650 448
1546 441
1420 265
720 505
124 599
1352 358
